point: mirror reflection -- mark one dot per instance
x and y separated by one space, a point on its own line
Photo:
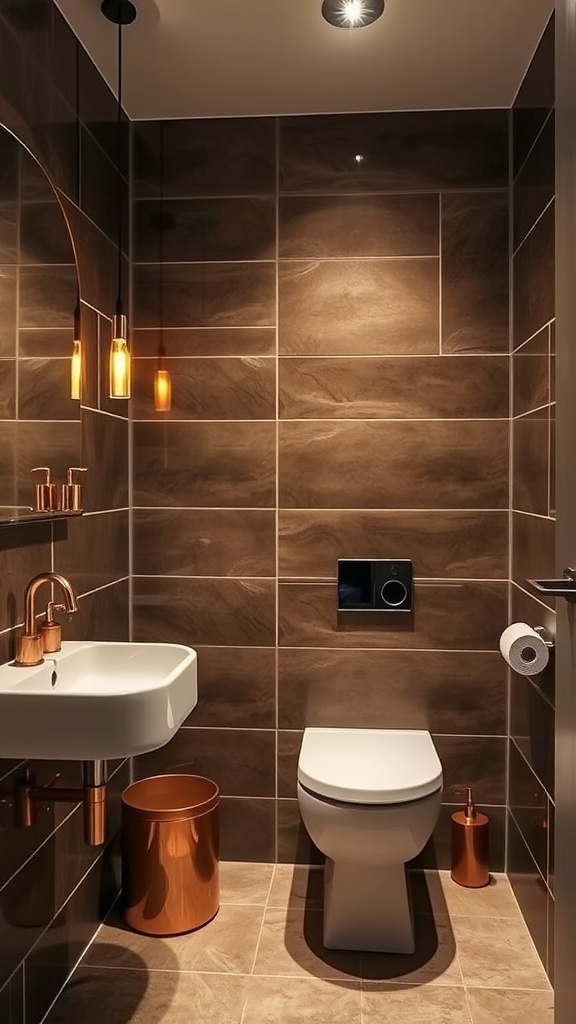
39 421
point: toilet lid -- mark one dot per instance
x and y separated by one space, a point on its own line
369 766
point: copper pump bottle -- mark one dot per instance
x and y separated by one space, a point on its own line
470 845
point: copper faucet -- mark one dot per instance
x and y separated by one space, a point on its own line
29 648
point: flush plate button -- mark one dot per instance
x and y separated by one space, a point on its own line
379 584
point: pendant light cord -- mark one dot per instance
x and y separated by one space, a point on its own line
119 159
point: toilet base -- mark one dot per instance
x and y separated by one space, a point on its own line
367 908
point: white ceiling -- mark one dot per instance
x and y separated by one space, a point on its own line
219 58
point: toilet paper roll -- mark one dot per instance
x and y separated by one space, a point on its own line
524 649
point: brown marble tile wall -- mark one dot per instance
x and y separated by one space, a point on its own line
531 743
337 334
54 890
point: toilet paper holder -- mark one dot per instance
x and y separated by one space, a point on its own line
566 587
546 636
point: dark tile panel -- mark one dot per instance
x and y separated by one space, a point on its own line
475 272
212 389
534 187
401 225
98 111
533 274
294 843
552 462
437 852
9 169
215 542
44 390
93 550
205 295
105 454
47 296
8 231
358 307
89 331
206 341
102 615
441 544
234 613
550 950
184 230
35 186
443 692
248 829
24 551
236 686
532 729
240 761
530 462
529 888
477 761
526 609
12 1000
7 311
99 190
41 343
7 389
464 616
550 878
64 54
530 376
289 744
45 444
351 388
212 157
93 994
394 465
532 548
8 465
529 806
44 234
456 149
204 464
535 98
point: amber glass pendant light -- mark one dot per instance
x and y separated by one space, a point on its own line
162 379
120 12
76 360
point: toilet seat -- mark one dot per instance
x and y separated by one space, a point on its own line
369 766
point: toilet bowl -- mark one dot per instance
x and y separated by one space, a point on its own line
370 799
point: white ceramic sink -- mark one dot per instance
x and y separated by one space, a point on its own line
94 701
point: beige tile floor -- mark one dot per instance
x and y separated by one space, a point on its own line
261 961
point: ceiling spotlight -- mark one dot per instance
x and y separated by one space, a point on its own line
352 13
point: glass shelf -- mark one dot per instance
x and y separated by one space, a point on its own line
11 516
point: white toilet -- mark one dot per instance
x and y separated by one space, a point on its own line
370 799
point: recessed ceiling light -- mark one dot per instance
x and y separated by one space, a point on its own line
352 13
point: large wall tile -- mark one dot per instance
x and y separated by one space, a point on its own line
384 388
204 464
456 149
475 272
24 551
529 888
531 375
532 728
47 296
386 225
358 307
205 341
532 547
248 829
236 685
214 542
185 230
105 454
7 311
209 389
533 274
12 1000
44 390
236 613
44 237
534 187
477 761
530 462
240 761
529 806
441 544
442 691
525 608
205 295
101 615
56 444
535 98
394 465
93 551
7 389
462 616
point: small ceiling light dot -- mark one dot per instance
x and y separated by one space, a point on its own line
359 158
352 13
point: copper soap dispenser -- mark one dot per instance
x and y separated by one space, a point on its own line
470 845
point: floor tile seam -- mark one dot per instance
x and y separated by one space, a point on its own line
338 981
468 1006
508 988
257 947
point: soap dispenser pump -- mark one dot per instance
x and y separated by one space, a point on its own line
470 844
46 493
72 491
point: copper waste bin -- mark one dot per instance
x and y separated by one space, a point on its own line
170 867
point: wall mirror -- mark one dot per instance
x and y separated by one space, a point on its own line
39 421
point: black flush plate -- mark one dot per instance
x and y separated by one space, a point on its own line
374 584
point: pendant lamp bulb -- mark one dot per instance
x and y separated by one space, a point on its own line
162 384
76 360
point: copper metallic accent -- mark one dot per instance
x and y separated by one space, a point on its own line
27 796
94 808
170 848
29 646
470 849
72 491
29 650
51 631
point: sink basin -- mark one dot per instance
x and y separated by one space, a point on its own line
93 701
